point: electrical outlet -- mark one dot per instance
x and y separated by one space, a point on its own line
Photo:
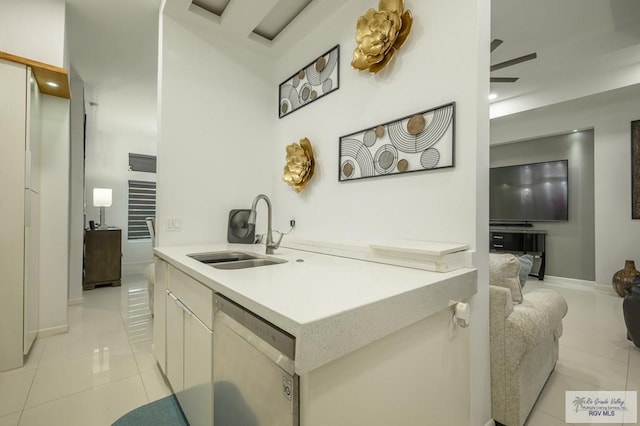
292 223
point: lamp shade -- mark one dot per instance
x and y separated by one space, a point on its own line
101 197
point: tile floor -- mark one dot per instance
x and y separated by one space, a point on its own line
594 352
100 370
104 367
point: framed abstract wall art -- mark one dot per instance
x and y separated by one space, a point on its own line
419 142
315 80
635 169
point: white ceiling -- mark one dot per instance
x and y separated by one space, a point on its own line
113 48
584 47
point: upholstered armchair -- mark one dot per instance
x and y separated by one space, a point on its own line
524 333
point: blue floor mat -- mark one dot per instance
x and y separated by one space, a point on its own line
163 412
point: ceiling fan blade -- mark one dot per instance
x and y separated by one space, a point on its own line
514 61
503 79
495 43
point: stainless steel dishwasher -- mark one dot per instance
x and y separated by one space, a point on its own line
253 370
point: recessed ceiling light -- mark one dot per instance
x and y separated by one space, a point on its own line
575 130
52 84
493 96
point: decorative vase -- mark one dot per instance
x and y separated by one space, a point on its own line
631 310
624 277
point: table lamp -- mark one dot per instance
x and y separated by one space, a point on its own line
102 199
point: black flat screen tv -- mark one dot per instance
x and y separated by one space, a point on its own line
536 192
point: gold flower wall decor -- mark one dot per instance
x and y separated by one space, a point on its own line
300 165
379 33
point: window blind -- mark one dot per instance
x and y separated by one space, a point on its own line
142 204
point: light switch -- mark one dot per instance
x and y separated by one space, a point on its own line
174 224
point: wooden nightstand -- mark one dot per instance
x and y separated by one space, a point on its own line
102 258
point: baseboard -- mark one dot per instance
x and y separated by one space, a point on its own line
75 301
53 331
579 284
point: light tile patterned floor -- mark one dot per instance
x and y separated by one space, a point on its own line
100 370
104 366
594 352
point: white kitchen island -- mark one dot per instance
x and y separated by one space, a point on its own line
374 343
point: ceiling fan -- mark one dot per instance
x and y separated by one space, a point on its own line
494 45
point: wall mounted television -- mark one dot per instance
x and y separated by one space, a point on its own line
536 192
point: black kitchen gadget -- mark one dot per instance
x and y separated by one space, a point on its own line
239 230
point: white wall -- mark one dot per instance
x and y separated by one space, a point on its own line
34 29
121 105
107 166
443 60
569 245
610 114
76 189
417 205
54 214
215 133
221 142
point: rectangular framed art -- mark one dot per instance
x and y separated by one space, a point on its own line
313 81
635 169
419 142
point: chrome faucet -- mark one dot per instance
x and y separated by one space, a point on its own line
271 246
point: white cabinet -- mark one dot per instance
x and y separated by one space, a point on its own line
160 314
175 343
32 217
188 323
19 213
196 397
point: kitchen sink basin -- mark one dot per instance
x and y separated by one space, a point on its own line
221 256
234 259
249 263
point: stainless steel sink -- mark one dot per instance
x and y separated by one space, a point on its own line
221 256
250 263
234 259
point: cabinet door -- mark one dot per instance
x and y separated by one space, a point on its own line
12 188
33 132
31 271
175 343
32 215
160 315
197 397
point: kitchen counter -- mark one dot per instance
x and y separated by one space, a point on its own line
332 305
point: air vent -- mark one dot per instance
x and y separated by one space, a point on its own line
142 163
214 6
282 14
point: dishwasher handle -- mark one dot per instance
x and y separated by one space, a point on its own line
282 341
281 360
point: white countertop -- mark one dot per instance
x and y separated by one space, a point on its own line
332 305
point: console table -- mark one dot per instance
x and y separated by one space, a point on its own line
521 242
102 258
